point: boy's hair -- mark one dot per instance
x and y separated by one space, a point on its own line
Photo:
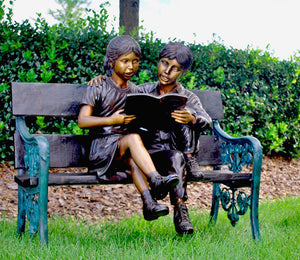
120 45
178 51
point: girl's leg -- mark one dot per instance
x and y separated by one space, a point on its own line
143 160
139 179
138 152
151 209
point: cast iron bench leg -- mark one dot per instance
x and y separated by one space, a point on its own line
44 153
215 203
215 200
254 212
21 207
257 163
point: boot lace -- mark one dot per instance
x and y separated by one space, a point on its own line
192 163
184 216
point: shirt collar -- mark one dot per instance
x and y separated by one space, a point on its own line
179 89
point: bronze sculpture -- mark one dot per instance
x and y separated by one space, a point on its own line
171 148
112 147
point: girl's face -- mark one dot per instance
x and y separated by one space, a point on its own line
126 66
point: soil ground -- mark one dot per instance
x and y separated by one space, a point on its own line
279 178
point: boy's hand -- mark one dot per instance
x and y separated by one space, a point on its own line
98 81
183 116
120 119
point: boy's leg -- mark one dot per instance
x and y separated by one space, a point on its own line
170 162
184 139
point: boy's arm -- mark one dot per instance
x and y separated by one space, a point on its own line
195 107
183 116
97 81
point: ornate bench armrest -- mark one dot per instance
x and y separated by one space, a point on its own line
37 156
238 151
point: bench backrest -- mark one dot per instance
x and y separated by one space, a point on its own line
63 100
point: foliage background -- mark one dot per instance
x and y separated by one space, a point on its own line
260 93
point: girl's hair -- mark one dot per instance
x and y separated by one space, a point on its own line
178 51
118 46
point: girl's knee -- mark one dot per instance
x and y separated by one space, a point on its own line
134 138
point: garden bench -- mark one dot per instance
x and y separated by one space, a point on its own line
36 153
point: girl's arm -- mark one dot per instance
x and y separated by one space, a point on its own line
87 120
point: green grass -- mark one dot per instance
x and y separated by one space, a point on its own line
138 239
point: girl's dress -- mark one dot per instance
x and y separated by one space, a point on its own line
106 100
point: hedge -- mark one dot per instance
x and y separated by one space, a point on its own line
260 92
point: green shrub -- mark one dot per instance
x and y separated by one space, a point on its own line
260 93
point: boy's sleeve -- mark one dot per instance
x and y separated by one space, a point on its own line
197 110
147 87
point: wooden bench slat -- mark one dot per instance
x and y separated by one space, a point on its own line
65 150
209 151
63 100
59 99
73 150
211 102
56 179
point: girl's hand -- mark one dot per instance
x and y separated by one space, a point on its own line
183 116
119 118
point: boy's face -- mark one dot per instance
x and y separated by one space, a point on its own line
126 66
169 71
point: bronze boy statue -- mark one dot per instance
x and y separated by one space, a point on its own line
112 148
174 61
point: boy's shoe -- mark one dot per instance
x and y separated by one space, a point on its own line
193 169
182 221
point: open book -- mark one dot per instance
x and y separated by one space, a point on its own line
153 111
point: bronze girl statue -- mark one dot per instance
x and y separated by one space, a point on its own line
113 149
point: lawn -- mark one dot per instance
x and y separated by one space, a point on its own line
136 238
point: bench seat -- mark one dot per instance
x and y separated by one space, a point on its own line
56 179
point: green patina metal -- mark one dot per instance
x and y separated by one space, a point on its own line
238 152
236 155
235 204
33 201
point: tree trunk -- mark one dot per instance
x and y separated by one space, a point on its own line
129 16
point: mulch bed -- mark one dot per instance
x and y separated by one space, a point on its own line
280 178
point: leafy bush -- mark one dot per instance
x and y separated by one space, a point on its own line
260 93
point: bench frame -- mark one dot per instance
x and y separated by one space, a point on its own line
33 158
